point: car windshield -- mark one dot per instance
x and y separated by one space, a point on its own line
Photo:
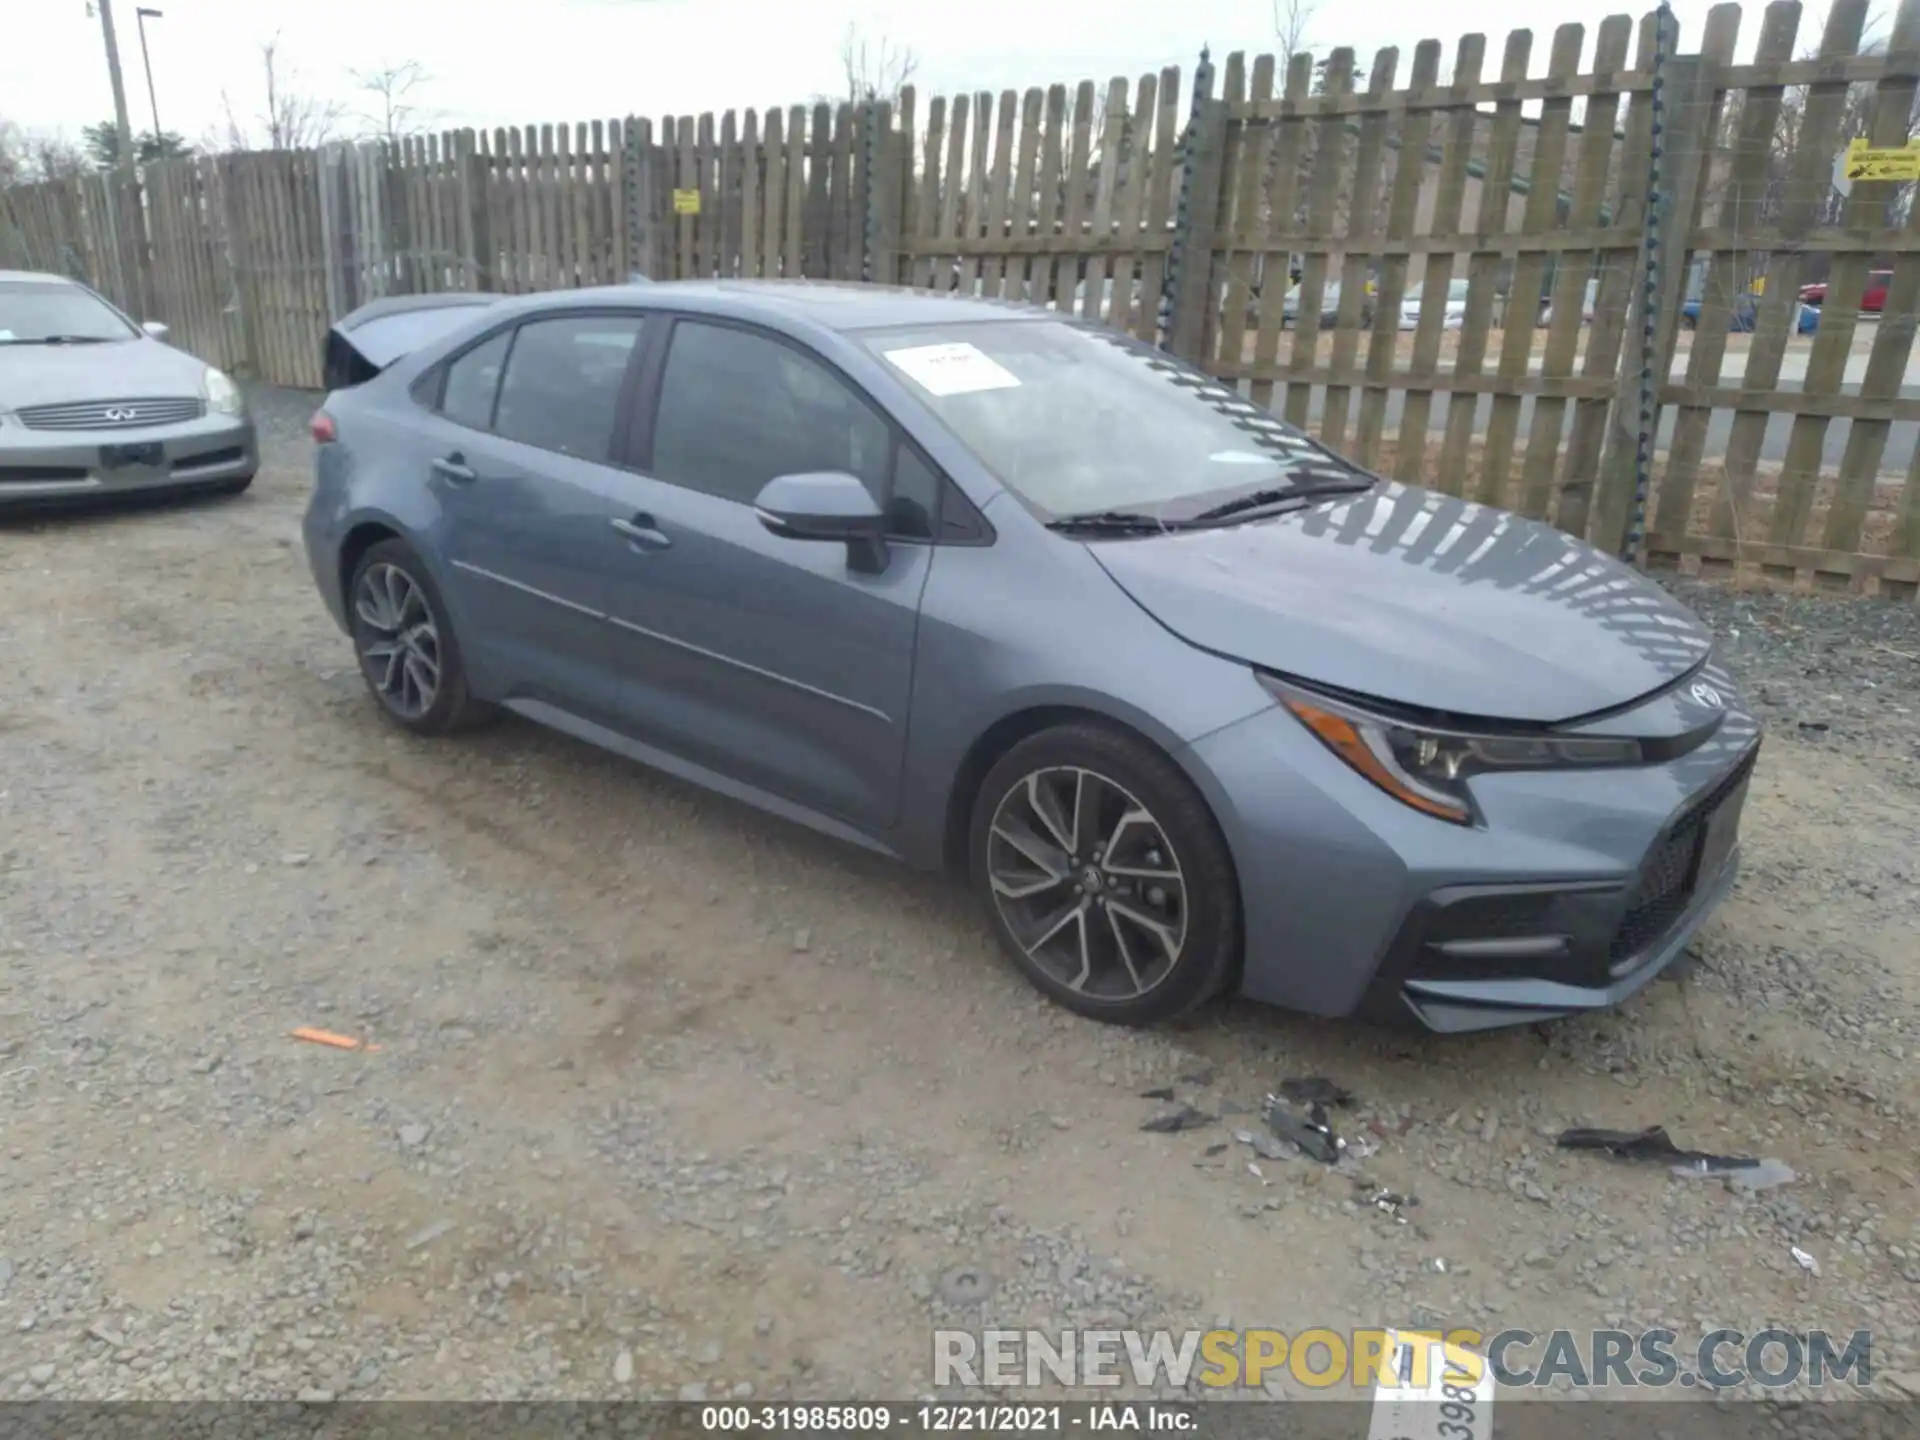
1080 420
36 313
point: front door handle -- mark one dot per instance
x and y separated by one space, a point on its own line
642 533
453 467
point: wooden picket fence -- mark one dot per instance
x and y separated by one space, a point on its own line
1184 218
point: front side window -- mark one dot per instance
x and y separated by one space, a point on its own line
738 409
1077 419
563 382
473 379
37 313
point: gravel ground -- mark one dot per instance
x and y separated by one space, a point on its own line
673 1100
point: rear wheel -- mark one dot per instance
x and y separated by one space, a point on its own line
1107 879
405 643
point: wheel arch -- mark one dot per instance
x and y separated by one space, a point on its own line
361 537
1001 736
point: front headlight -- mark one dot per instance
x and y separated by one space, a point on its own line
223 396
1427 767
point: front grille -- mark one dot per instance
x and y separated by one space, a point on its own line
1666 883
112 414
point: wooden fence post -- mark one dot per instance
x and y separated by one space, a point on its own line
1196 219
235 219
886 195
1681 138
476 219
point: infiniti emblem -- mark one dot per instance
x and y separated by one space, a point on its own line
1706 695
117 412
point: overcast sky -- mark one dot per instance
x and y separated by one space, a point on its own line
500 62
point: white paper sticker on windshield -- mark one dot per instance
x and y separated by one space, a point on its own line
952 369
1239 457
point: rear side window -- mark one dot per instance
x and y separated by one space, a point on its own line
473 380
563 383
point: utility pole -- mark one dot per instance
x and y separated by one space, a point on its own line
141 14
120 121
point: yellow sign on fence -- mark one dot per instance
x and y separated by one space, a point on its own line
686 202
1893 163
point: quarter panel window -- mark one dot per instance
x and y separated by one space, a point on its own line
472 380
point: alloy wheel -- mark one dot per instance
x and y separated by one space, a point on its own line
400 651
1087 883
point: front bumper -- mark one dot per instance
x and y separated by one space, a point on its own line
40 467
1579 889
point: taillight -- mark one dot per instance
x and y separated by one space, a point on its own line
322 428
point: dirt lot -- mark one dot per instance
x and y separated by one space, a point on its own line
671 1099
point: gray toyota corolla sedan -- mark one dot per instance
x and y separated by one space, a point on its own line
1191 702
93 405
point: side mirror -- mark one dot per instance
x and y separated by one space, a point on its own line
155 329
827 505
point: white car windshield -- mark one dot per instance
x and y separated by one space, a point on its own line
1077 419
35 313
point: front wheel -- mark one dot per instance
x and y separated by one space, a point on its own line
1108 881
405 643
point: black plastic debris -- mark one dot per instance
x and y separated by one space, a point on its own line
1653 1143
1309 1130
1185 1118
1219 1147
1165 1092
1315 1090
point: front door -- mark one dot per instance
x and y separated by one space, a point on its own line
766 659
528 493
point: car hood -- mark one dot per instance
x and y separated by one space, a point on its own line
1420 599
130 369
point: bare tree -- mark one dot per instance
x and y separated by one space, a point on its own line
291 120
30 156
1292 21
876 71
394 112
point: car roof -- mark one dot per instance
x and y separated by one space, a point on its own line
34 277
831 305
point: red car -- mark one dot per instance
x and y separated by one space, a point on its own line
1873 298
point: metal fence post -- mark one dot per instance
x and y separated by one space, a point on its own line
1681 97
1185 300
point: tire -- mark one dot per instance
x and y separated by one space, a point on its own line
417 627
1166 948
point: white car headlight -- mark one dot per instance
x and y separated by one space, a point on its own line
222 395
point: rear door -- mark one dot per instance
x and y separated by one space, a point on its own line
768 659
528 491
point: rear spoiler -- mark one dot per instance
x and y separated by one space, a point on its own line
380 333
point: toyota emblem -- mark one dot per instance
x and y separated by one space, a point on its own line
120 412
1706 695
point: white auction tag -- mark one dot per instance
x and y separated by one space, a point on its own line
953 369
1429 1390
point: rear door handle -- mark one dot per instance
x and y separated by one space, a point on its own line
642 532
452 467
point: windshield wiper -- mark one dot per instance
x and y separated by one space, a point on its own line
1282 495
54 340
1116 522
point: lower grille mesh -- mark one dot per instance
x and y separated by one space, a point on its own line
1666 884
